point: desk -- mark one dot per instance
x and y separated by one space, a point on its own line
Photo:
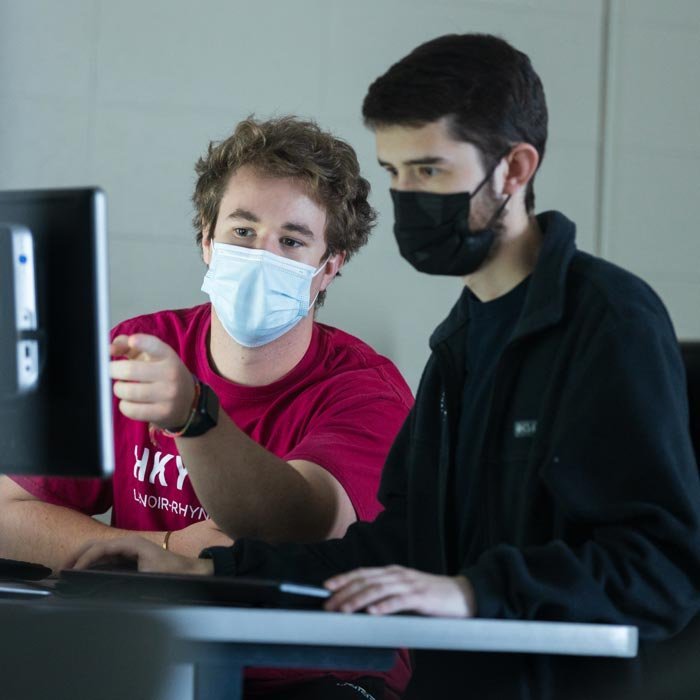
222 641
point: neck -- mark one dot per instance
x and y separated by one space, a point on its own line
258 366
514 259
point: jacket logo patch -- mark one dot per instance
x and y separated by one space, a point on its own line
524 428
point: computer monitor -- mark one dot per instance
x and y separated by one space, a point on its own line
55 390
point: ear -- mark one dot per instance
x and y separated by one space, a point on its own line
206 245
522 162
331 269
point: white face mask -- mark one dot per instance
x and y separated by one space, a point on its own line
257 296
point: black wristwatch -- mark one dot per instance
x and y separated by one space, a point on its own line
204 415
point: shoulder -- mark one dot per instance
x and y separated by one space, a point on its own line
359 366
618 321
345 352
614 295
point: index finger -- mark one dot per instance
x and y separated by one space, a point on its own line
119 346
131 346
336 582
149 344
70 564
124 547
91 555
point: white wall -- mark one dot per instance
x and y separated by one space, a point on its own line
653 134
127 95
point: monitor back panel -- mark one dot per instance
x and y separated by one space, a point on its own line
59 421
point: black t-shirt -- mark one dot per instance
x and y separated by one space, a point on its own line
491 325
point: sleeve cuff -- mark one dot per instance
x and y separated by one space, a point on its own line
486 591
223 558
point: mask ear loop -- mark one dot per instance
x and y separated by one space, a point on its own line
323 264
498 211
491 172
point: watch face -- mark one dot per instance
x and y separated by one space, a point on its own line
211 404
207 413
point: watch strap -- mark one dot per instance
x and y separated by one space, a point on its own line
203 415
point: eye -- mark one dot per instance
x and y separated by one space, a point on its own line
390 170
243 232
428 171
291 242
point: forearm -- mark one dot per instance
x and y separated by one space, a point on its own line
366 544
248 491
623 577
48 534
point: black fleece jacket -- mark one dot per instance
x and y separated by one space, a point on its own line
588 507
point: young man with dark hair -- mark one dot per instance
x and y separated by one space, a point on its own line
263 422
546 471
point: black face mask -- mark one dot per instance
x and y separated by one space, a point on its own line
433 232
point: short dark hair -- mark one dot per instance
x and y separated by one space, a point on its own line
289 147
488 90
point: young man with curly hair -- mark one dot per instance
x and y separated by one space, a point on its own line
243 417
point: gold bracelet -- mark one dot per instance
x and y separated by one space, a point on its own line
153 428
193 412
166 538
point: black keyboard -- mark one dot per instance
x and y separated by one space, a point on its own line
183 589
13 569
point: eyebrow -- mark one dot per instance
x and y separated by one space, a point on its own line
243 214
301 229
292 226
424 160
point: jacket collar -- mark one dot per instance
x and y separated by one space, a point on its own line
544 303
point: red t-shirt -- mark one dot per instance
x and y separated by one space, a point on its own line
340 407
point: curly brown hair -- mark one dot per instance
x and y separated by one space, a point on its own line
289 147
